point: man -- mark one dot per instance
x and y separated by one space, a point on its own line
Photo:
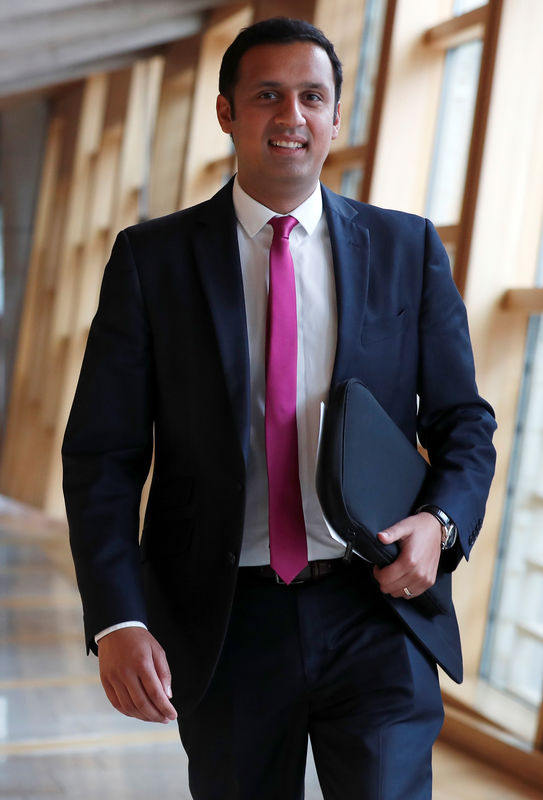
177 354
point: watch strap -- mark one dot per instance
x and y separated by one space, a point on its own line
449 531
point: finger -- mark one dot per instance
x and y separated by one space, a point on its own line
163 671
133 704
156 696
397 590
403 572
121 700
151 704
128 666
413 581
395 532
137 703
395 572
392 582
410 594
127 693
111 694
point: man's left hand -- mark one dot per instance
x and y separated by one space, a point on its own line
415 568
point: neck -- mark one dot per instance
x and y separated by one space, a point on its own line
282 203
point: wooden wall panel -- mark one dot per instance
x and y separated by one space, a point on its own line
172 127
118 174
122 146
93 173
26 438
207 142
346 39
296 9
409 114
504 253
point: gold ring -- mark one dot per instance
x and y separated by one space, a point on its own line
406 592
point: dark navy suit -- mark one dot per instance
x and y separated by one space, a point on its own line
167 362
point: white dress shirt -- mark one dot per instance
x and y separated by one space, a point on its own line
317 335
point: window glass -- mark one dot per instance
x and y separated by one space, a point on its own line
450 247
3 375
351 182
463 6
455 121
368 66
513 657
1 264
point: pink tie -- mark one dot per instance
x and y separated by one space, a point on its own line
288 544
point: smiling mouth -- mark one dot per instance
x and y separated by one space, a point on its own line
287 145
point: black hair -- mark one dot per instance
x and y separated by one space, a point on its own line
277 30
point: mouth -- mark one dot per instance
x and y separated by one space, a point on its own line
287 145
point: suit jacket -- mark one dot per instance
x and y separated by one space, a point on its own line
167 365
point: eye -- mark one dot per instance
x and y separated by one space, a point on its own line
313 97
267 95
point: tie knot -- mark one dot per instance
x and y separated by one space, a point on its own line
282 226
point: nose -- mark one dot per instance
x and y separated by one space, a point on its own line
290 113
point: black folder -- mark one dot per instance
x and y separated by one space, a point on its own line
369 476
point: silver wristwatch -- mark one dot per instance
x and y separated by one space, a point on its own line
449 531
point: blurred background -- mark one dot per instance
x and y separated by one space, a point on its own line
107 117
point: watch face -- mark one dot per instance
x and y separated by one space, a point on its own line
448 528
448 536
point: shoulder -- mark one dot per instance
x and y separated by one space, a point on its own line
179 223
376 218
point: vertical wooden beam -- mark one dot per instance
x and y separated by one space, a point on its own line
69 278
295 9
26 443
136 149
88 138
172 128
342 23
206 140
538 743
118 177
475 158
378 100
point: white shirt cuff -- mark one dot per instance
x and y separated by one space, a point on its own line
132 624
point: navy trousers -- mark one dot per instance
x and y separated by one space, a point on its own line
325 660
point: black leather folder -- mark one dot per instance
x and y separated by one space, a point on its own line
369 476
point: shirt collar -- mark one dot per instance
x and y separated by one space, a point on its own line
252 215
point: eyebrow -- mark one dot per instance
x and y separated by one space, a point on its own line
278 84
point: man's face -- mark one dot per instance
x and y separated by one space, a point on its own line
285 120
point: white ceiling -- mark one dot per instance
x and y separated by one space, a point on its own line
44 42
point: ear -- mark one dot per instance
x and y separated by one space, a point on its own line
224 114
337 122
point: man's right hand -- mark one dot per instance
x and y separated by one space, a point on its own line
135 675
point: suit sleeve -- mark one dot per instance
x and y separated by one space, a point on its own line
107 450
455 424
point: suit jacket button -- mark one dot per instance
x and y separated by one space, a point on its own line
231 558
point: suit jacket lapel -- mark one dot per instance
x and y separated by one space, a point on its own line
217 257
350 251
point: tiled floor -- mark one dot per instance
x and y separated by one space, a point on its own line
59 738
